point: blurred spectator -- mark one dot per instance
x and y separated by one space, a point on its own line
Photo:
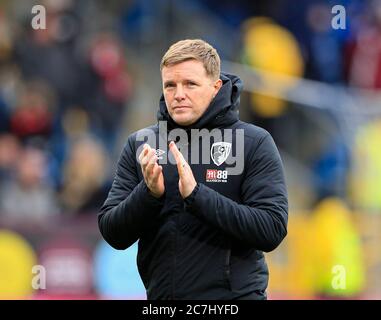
5 37
10 84
84 189
324 61
10 150
83 69
106 101
330 170
272 48
28 196
4 116
50 54
337 259
33 115
365 186
363 54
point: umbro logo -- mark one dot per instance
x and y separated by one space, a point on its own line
159 153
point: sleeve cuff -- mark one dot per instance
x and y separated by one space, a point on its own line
190 199
150 198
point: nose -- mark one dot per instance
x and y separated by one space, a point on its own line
179 93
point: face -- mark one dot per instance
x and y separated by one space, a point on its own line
188 91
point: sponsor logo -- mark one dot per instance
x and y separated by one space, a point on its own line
220 152
213 175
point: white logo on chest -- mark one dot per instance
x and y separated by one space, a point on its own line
220 151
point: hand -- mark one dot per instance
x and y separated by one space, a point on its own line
152 172
187 182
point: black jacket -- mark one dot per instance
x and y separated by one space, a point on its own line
210 245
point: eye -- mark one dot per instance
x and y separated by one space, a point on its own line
191 84
169 85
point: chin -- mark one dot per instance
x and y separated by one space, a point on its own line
183 121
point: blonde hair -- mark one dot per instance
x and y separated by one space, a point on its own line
193 49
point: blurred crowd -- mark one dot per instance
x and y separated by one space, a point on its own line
66 92
299 41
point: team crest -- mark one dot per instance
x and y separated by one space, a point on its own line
220 152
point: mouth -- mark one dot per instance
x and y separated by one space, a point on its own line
179 108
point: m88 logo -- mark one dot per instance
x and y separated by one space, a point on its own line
213 175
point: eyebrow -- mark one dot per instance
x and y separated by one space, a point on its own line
168 82
185 80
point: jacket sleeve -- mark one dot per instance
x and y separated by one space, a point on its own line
129 204
261 219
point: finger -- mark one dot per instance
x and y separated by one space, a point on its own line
176 153
144 162
146 155
151 163
144 152
174 150
148 160
180 161
156 173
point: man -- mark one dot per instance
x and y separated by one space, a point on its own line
202 227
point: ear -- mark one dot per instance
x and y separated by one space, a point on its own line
217 86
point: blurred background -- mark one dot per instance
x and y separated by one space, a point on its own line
72 93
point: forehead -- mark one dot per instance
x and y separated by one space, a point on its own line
187 69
